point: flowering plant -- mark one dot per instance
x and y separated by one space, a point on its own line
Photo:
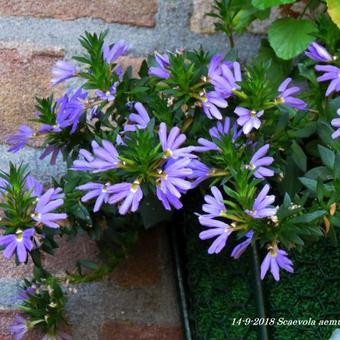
263 135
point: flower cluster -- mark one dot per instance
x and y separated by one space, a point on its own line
42 303
168 173
68 115
35 211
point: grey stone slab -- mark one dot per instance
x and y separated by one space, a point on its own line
172 31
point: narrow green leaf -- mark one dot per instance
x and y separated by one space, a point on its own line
327 156
299 156
307 218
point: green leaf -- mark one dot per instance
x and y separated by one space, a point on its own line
289 37
320 171
327 156
152 212
309 183
307 218
263 4
325 131
299 156
337 167
334 11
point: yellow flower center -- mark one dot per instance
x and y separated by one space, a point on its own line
19 235
253 114
36 215
167 153
135 186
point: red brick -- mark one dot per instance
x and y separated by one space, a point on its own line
6 319
142 267
24 74
115 330
135 63
8 268
69 252
134 12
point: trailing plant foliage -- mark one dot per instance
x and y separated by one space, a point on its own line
263 135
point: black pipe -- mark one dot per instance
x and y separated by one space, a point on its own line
180 280
263 329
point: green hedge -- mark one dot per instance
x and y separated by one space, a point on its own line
220 290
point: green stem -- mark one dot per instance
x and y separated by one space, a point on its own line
198 85
231 40
240 94
218 173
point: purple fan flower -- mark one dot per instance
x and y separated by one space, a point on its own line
46 128
51 150
118 70
160 71
226 83
241 247
21 242
111 54
104 158
168 199
262 204
120 140
62 71
85 163
205 145
248 119
171 143
25 293
34 185
286 96
128 194
172 178
210 103
37 189
214 204
139 120
3 185
70 109
108 95
216 228
20 327
217 132
259 162
336 124
200 172
221 129
43 210
275 259
317 52
20 139
95 190
331 73
214 68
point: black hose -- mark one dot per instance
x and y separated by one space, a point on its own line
180 280
263 329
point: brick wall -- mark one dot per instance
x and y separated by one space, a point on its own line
138 301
